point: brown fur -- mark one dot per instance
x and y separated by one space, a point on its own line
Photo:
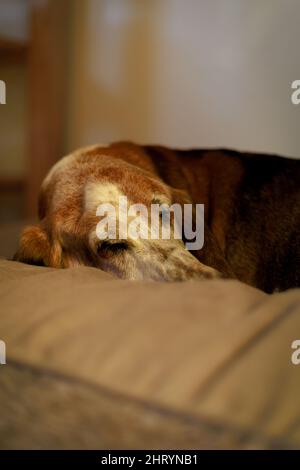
252 214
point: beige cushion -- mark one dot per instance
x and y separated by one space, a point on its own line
95 362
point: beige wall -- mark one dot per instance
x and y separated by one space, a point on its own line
13 121
186 73
13 115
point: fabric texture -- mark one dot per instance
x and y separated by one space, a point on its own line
96 362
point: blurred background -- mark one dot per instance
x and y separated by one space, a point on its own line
192 73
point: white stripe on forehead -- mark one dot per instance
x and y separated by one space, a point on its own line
109 193
99 193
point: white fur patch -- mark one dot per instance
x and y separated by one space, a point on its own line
99 193
110 194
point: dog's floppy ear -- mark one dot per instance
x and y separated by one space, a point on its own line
34 246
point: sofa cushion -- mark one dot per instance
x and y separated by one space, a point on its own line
95 362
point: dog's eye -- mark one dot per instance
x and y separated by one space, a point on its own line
110 247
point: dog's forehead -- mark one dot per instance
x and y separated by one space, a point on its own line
85 181
96 193
101 192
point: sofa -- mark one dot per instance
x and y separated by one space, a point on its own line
94 362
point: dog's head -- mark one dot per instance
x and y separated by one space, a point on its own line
71 231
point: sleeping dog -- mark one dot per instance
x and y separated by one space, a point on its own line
251 216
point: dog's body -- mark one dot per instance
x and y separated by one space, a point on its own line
252 213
